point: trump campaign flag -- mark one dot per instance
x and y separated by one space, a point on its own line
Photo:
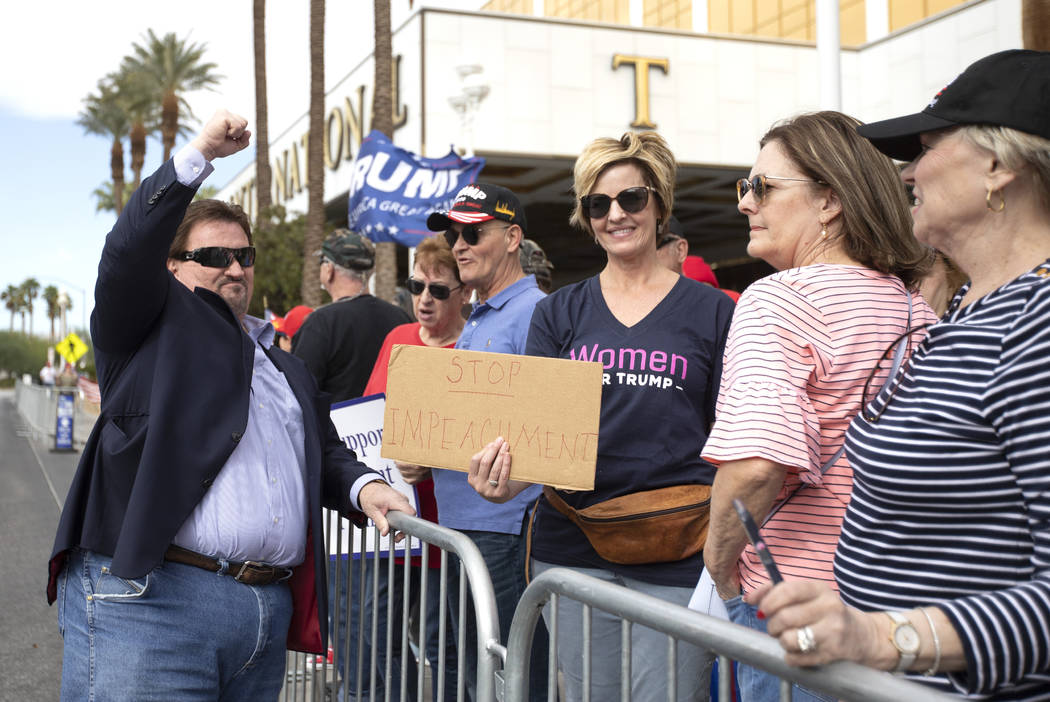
393 190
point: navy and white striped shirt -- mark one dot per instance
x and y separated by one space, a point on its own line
951 494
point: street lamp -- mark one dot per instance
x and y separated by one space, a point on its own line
466 103
63 305
83 303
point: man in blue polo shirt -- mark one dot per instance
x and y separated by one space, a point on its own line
485 228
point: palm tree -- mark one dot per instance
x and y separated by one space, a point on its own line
103 115
105 198
30 292
1035 24
263 171
175 67
12 298
382 120
311 290
137 99
51 298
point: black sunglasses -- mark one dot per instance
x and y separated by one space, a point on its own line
471 234
220 256
438 291
757 184
889 389
631 200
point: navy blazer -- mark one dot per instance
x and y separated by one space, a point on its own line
174 370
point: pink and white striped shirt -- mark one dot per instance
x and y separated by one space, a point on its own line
802 343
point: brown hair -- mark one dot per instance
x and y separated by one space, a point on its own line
208 211
876 226
647 150
433 253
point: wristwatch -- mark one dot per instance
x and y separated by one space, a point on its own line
905 639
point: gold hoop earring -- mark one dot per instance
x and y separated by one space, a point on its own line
988 200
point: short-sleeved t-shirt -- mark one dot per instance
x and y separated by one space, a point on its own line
500 325
339 342
802 345
660 381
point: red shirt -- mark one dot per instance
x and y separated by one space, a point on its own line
407 334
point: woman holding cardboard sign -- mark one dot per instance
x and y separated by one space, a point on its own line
660 338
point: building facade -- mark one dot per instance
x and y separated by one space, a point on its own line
527 83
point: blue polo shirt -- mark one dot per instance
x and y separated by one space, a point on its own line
500 325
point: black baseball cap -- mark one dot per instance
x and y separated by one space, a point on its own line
480 202
1007 89
349 249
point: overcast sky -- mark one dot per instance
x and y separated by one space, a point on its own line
52 231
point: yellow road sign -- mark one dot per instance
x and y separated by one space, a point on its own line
71 348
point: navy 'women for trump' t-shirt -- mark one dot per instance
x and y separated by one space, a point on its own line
660 382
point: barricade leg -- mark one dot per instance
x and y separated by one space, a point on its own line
504 555
599 661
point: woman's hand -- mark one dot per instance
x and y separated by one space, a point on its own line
837 632
489 473
412 474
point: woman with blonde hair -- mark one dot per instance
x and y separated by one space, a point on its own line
943 565
660 337
830 214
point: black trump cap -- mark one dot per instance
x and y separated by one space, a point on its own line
1006 89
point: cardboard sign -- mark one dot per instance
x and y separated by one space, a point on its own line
444 405
359 424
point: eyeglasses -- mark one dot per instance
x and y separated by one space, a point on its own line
889 389
631 200
758 185
438 291
471 234
220 256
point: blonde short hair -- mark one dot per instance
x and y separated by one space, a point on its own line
433 254
1021 153
647 150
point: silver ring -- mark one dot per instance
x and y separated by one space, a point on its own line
494 483
807 643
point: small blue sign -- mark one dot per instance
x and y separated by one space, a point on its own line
64 422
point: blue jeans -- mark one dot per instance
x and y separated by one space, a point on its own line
758 685
504 554
178 633
648 648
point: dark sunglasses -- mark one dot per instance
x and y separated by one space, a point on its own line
757 184
631 200
438 291
882 397
471 233
220 256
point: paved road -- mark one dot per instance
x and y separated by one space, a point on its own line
33 481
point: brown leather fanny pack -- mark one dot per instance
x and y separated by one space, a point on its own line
654 526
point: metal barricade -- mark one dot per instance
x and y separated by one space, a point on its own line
844 680
38 405
383 644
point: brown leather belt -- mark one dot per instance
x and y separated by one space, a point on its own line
248 572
